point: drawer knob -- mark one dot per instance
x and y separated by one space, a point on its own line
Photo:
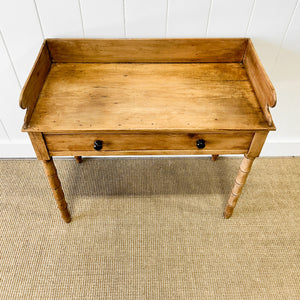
200 144
98 145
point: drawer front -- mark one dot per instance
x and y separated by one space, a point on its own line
69 144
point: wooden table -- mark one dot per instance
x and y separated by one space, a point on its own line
150 96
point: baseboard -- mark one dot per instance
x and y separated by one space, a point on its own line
16 150
281 149
25 150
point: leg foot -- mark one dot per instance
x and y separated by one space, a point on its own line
57 191
228 211
214 157
78 159
240 181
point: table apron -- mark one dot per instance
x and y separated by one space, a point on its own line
148 143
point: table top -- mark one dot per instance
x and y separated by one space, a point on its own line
175 97
147 85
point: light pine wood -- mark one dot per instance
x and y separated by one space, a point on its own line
57 191
147 97
240 181
239 141
78 159
253 152
190 97
262 85
39 145
34 84
144 152
147 50
214 157
257 143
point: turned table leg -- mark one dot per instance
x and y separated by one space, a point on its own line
245 167
78 159
55 185
240 181
214 157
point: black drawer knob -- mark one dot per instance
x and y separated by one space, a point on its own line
98 145
200 144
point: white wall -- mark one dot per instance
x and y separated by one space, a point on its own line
274 26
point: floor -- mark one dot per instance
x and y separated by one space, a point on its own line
150 228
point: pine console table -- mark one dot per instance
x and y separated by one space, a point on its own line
89 97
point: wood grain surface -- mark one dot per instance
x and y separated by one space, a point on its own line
114 142
34 84
239 183
147 97
257 143
39 145
146 152
57 190
125 97
262 85
36 78
147 50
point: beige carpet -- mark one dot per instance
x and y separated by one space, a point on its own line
150 228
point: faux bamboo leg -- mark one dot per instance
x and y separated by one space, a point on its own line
58 193
214 157
240 181
78 159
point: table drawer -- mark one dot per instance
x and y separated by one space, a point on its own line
236 142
